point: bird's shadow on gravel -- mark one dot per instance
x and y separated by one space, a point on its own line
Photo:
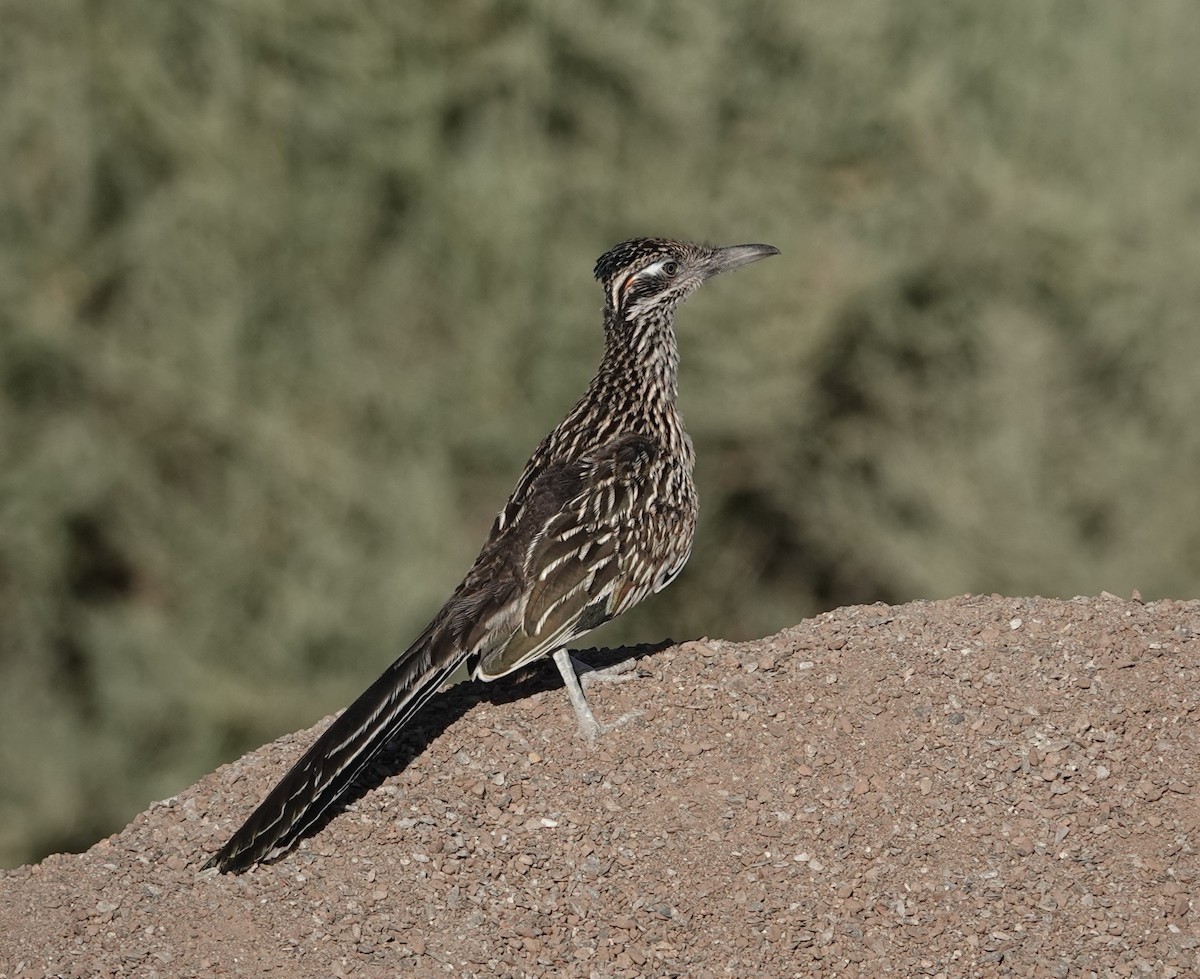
450 705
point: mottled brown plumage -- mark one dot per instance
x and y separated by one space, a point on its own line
602 516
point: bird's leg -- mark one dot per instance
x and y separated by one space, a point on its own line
617 673
589 727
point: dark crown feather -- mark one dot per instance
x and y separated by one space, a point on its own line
635 251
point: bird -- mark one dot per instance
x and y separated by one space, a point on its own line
602 516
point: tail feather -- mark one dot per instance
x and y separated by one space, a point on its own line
322 776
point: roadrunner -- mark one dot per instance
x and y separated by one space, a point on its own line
602 516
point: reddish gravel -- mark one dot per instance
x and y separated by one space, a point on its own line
976 787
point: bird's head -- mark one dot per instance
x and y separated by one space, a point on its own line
643 275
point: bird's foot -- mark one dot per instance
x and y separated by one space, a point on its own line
618 673
590 729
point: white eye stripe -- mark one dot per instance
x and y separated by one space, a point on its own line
659 268
621 286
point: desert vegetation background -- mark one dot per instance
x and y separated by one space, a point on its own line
288 292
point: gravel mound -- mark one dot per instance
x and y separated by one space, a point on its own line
975 787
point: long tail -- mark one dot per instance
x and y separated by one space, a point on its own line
318 780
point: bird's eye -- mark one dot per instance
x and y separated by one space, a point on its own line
670 269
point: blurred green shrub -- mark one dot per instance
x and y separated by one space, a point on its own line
289 291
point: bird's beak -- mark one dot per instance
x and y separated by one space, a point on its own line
735 256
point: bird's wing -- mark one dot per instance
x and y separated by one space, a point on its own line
582 563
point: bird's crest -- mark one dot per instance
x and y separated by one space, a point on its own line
631 254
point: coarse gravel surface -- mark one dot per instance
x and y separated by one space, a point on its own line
982 786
